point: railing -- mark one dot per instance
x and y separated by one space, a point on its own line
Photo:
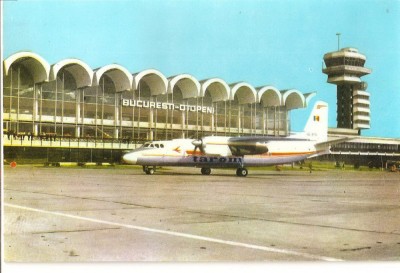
52 140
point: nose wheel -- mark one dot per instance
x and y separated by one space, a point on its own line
242 172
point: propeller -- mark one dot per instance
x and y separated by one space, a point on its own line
199 144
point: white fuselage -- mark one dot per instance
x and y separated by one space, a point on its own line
217 154
237 152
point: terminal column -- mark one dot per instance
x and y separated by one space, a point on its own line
117 102
183 122
36 110
151 121
78 113
239 125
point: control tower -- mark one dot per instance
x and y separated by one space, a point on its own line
345 68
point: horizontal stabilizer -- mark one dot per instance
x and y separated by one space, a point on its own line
327 144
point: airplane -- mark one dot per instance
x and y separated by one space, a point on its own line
238 152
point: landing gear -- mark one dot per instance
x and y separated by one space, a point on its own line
242 172
149 170
205 171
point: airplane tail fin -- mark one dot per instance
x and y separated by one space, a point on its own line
317 125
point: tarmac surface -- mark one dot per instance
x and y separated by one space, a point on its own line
120 214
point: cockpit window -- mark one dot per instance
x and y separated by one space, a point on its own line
162 145
157 146
146 145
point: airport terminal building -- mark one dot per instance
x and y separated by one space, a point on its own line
69 99
70 112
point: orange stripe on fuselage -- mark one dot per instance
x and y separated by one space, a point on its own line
189 152
275 154
282 154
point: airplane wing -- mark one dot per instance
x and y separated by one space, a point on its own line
327 144
260 139
254 145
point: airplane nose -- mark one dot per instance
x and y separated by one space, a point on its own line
130 158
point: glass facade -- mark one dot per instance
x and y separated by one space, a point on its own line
63 107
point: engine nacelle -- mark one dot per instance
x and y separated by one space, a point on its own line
199 144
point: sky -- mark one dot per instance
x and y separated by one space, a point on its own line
262 42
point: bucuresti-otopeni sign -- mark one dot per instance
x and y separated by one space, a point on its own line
167 106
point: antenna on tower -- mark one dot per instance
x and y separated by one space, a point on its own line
338 40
